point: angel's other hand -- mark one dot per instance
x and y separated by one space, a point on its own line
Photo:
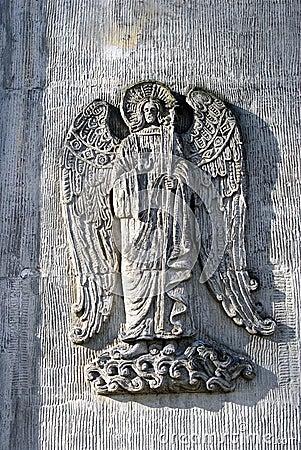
169 183
109 282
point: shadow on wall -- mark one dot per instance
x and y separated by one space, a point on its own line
262 159
20 349
24 63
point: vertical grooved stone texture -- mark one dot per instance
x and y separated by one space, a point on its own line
57 56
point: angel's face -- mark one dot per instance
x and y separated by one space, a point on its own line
150 111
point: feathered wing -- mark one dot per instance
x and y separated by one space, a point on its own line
89 153
213 144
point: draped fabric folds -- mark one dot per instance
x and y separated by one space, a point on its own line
157 246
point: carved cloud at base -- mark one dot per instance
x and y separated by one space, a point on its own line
202 367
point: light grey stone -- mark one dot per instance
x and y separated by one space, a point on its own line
57 58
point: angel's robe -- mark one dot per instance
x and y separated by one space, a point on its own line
156 240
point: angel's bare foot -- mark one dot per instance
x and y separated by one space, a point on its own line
135 350
170 348
155 347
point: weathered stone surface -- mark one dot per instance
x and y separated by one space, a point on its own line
245 52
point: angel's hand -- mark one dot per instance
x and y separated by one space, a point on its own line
109 282
170 183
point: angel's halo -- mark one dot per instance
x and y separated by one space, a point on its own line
141 92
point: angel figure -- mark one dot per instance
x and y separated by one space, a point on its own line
129 185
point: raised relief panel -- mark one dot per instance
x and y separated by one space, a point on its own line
147 196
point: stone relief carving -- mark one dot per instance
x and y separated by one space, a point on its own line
148 196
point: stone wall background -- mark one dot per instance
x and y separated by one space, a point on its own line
57 57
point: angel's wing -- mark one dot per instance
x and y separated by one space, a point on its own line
213 144
89 152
